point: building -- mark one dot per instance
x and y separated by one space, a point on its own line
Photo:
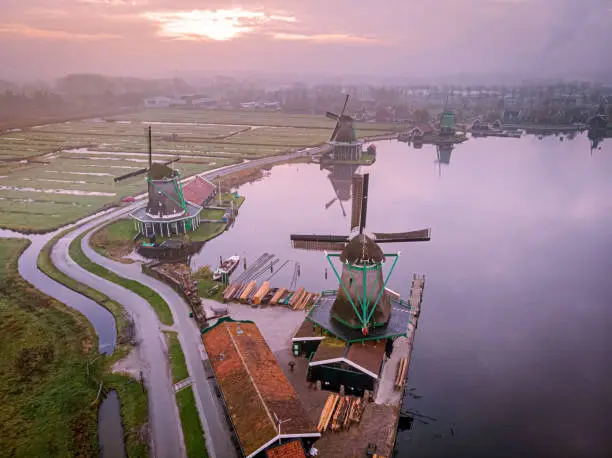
166 213
261 405
159 102
199 191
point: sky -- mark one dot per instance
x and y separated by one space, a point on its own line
41 39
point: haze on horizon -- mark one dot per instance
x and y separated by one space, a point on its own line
41 39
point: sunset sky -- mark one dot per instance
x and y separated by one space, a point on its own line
49 38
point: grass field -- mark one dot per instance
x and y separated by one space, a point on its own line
72 164
155 300
177 358
48 406
114 240
192 427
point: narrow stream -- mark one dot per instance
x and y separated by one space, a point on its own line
110 428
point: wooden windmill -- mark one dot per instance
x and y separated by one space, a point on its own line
343 131
361 301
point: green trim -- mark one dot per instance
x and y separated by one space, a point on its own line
223 320
382 290
328 256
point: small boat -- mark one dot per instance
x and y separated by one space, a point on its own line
226 268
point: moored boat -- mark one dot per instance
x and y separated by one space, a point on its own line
226 268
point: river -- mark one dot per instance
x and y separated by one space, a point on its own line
510 356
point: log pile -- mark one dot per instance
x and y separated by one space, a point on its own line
400 378
340 412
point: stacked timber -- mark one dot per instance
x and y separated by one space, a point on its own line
297 296
340 412
245 294
401 373
301 303
327 412
261 292
279 293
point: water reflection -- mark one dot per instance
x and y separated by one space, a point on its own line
513 338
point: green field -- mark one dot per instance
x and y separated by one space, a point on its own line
177 358
48 402
192 427
74 162
115 239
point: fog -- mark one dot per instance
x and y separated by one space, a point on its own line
42 39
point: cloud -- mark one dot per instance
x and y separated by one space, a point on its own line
325 38
32 32
218 25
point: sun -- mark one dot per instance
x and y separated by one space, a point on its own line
220 25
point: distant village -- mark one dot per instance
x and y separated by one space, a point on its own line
560 103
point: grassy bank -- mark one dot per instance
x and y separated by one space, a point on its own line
157 302
190 421
177 358
133 399
48 406
114 240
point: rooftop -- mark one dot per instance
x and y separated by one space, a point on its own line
253 386
291 449
198 190
364 356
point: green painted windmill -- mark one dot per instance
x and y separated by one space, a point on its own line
361 301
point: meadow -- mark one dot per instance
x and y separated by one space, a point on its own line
54 174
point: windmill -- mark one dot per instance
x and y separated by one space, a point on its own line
344 141
166 211
443 156
340 177
361 301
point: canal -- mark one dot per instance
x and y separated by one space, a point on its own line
510 356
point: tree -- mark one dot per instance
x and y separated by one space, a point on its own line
422 116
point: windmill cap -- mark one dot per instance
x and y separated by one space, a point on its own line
361 249
160 171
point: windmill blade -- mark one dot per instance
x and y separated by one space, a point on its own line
344 107
318 242
141 171
364 202
423 235
335 132
357 201
331 115
343 210
330 203
317 246
130 175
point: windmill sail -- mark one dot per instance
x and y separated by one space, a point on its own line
422 235
338 118
313 242
357 201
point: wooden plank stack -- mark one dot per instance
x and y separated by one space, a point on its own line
339 412
259 295
401 373
279 293
327 412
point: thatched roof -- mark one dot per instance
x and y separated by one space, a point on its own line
160 171
346 133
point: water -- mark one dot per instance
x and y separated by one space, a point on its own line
511 352
110 430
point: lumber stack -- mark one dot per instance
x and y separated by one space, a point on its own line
279 293
401 373
327 412
297 296
245 294
259 295
340 412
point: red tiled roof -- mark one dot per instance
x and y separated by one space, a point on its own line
253 385
291 449
198 190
